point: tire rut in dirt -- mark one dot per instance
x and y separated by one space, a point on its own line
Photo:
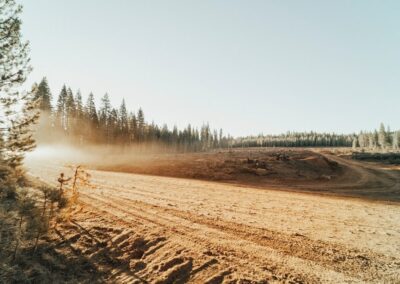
258 261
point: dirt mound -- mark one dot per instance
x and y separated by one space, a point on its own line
242 166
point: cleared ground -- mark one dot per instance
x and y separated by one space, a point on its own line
143 228
329 172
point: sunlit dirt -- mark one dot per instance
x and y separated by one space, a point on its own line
256 227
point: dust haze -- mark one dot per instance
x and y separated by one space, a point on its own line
54 144
328 171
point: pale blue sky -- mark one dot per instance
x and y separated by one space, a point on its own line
246 66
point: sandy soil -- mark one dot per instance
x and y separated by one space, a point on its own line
328 172
134 228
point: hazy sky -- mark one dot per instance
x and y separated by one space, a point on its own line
246 66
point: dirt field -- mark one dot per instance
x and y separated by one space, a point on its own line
308 170
135 228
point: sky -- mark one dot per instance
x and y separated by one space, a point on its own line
248 67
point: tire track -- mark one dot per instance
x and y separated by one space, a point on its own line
352 262
246 247
216 239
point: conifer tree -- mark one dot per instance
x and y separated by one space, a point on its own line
14 59
43 95
70 111
79 105
371 141
123 121
388 136
90 110
382 136
376 138
141 125
61 113
113 122
91 118
79 120
14 68
354 144
175 137
396 138
362 140
133 128
104 114
165 135
20 137
105 109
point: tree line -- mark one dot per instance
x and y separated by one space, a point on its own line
295 139
109 125
86 123
382 139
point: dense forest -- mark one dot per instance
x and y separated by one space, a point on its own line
85 123
296 139
382 139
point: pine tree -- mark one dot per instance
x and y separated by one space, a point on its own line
105 109
206 137
92 121
165 135
80 123
388 136
43 95
123 122
20 137
14 66
175 137
61 113
113 123
90 110
396 138
376 138
79 105
104 114
70 112
133 128
362 140
14 59
371 141
354 144
141 125
382 136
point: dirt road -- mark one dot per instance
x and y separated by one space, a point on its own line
164 230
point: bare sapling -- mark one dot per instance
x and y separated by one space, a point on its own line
80 179
62 181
